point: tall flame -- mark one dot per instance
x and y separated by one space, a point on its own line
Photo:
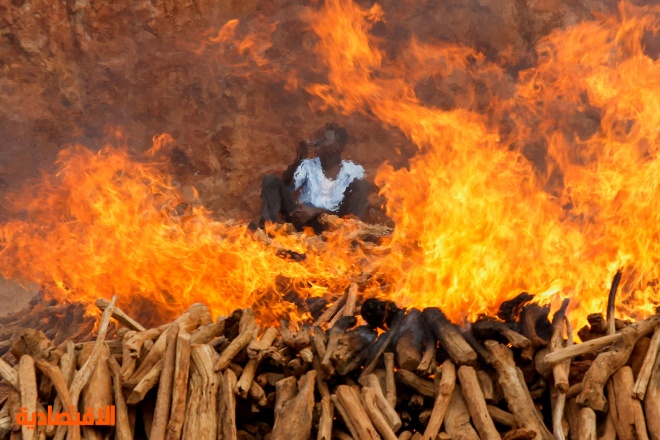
480 215
547 183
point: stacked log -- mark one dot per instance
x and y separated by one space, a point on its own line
388 373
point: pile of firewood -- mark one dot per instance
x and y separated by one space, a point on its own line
362 370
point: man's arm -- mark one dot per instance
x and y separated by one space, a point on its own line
287 175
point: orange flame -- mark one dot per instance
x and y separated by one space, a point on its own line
546 183
478 218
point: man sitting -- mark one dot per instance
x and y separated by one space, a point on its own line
317 182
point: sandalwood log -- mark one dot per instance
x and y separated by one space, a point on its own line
203 360
652 402
502 417
359 419
8 373
604 366
518 399
27 382
390 386
409 339
375 415
457 418
337 331
207 332
120 316
587 429
98 392
476 403
352 349
331 311
427 364
325 421
423 386
485 328
257 347
285 390
295 420
247 326
122 424
644 375
147 382
445 390
559 370
531 316
179 387
227 406
628 411
164 395
390 414
450 338
641 328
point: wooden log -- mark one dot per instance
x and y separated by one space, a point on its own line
337 331
145 385
325 421
344 416
37 345
390 386
644 375
203 360
257 394
54 373
652 402
123 428
257 347
295 419
485 329
573 417
630 423
445 389
559 370
375 415
423 386
427 364
285 390
560 400
502 417
179 387
486 385
450 338
518 399
8 373
641 328
98 392
388 411
195 390
351 300
457 418
405 435
164 395
207 332
530 316
328 314
352 349
27 382
604 366
587 429
409 339
476 403
120 316
247 327
611 298
359 419
227 406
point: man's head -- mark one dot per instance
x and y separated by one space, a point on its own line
331 140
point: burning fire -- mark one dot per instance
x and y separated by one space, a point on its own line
547 183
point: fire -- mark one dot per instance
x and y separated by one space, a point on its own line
547 182
480 215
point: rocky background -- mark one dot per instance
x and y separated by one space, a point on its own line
119 72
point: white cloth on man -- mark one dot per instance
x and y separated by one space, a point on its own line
319 191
